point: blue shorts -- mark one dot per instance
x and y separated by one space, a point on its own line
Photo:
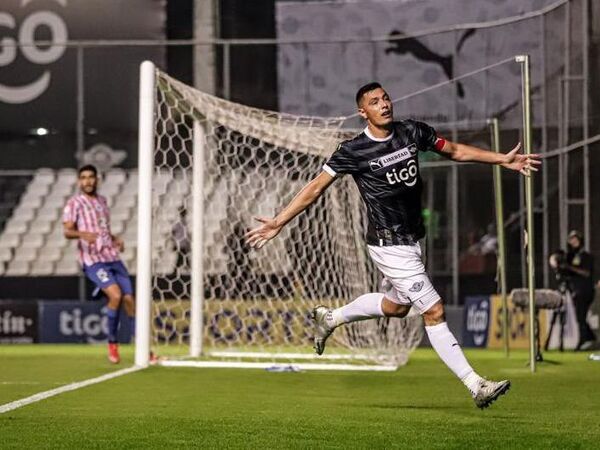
104 274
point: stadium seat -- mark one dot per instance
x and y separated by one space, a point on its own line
66 176
56 240
40 226
120 214
51 254
115 177
23 214
61 191
36 189
117 227
32 240
17 268
126 200
44 176
48 214
9 240
25 254
67 267
16 226
26 207
109 190
128 256
55 201
165 263
42 268
5 254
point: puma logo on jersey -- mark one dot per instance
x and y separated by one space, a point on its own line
406 175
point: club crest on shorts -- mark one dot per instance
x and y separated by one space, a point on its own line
102 275
417 286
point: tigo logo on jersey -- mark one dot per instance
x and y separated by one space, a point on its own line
407 175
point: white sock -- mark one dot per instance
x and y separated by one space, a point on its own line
366 306
445 345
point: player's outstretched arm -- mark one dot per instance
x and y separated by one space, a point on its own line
512 160
271 227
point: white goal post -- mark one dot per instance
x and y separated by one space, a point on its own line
207 166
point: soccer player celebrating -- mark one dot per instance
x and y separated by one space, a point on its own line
86 217
383 160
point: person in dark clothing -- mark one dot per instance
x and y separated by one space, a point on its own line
574 272
580 265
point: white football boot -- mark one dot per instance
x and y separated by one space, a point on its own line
489 391
323 327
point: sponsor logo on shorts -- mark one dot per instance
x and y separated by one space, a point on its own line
417 286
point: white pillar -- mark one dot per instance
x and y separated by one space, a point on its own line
523 60
144 231
197 268
206 16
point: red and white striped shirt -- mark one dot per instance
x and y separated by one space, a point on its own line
92 214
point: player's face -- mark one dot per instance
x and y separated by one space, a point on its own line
88 182
574 242
376 108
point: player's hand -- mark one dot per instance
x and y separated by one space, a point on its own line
88 236
259 236
525 164
119 243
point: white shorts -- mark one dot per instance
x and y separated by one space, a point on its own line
404 278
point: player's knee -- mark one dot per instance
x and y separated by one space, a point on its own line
392 309
114 297
129 304
434 315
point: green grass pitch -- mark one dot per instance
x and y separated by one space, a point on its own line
421 405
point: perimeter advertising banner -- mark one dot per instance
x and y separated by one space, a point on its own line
275 322
77 322
18 322
518 325
476 321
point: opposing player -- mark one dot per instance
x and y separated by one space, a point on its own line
86 217
383 160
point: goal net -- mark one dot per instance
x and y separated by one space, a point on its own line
213 166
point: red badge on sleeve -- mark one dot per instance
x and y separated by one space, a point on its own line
439 144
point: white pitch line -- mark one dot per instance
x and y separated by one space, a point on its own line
270 365
69 387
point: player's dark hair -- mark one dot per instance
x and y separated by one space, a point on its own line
366 88
88 168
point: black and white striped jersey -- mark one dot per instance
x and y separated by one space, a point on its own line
386 172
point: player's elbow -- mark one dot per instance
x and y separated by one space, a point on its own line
316 192
458 154
453 152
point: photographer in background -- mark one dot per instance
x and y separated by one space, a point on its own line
574 271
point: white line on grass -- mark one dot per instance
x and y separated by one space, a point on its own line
69 387
270 365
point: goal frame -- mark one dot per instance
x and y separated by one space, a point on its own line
144 290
